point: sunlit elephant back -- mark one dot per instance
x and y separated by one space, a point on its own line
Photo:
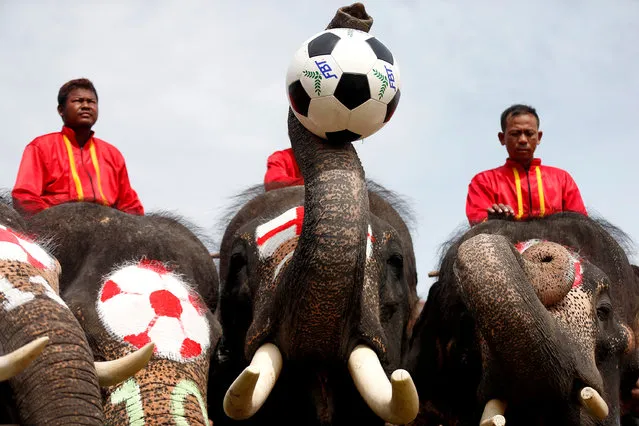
134 283
531 322
318 284
45 355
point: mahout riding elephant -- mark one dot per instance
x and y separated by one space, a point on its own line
134 281
531 322
318 283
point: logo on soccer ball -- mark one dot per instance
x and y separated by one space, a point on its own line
146 302
14 246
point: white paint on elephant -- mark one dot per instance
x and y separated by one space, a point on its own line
48 290
146 302
272 234
14 246
12 296
369 242
282 263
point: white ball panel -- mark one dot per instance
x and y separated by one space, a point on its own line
367 118
354 56
328 114
320 76
383 81
297 65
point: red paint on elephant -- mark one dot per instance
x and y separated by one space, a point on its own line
522 246
14 246
146 302
109 290
166 304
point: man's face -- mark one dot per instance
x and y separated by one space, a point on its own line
80 110
521 137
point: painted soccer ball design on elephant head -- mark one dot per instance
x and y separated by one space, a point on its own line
156 291
146 302
530 321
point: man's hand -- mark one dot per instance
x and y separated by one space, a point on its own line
500 211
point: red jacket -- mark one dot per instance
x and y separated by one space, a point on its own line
282 170
538 192
54 170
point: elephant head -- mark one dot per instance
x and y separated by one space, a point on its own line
47 361
140 282
318 283
542 324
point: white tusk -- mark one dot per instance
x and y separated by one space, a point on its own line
493 414
593 402
249 391
395 401
113 372
13 363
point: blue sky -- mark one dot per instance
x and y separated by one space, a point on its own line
193 94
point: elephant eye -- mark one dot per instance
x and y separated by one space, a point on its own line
603 311
396 263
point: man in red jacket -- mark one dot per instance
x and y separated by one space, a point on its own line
73 165
282 170
523 187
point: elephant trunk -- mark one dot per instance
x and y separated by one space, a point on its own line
504 292
328 262
60 386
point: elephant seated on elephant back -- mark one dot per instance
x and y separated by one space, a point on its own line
530 322
134 281
318 284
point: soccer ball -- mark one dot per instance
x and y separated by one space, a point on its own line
146 302
343 84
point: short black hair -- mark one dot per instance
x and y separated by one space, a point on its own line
78 83
517 109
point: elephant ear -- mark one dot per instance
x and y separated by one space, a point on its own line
353 16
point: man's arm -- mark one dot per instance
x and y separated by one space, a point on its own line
128 200
480 198
572 197
29 187
277 175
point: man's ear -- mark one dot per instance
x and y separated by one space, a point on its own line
539 135
60 111
502 138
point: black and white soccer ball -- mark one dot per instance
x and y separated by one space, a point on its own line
343 84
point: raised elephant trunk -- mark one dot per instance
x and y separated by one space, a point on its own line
508 296
330 255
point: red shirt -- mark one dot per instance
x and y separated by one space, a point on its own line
536 192
54 170
282 170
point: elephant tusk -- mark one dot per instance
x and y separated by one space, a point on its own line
493 414
249 391
113 372
395 401
593 402
13 363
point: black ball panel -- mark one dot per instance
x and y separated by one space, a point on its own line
322 45
380 50
300 100
352 90
342 137
392 105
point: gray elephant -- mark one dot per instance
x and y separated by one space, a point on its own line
139 282
52 379
318 284
530 322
